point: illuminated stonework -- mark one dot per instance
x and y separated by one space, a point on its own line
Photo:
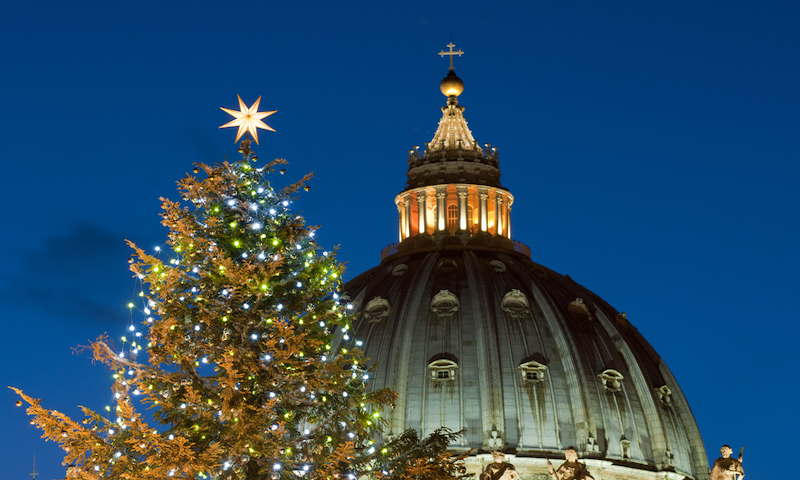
522 358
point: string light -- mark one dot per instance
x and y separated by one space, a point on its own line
205 262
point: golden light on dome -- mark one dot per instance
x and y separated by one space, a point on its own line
451 86
247 119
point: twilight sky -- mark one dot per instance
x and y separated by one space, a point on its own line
652 149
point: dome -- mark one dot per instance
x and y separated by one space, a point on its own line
475 336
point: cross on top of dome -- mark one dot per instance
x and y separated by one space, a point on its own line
451 52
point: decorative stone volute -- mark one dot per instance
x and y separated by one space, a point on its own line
611 379
377 309
515 304
444 304
498 266
578 310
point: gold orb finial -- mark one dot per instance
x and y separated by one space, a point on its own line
451 86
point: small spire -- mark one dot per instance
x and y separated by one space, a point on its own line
451 53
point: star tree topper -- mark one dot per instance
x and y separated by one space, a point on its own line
247 119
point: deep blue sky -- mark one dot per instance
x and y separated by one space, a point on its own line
652 148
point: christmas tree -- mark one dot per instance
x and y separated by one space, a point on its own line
234 357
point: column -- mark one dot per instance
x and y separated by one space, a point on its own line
498 212
462 207
421 206
401 213
441 209
407 223
483 203
508 221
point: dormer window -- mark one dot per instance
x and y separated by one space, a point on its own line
532 372
665 395
611 379
578 310
443 367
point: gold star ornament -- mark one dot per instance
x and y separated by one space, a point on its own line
247 119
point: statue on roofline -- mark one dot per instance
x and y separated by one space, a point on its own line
499 469
727 468
571 469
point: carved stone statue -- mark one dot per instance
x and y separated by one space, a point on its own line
725 467
499 470
571 469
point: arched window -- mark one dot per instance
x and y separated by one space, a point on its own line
471 218
452 217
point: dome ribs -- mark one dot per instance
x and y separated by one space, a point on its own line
489 395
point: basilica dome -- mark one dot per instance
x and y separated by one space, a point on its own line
475 336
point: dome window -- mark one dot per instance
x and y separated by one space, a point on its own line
377 309
444 304
625 448
664 395
448 266
400 270
612 380
443 367
515 304
578 310
452 217
532 372
498 266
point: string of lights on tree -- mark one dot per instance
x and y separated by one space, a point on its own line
234 353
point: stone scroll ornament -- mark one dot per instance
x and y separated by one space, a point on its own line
444 304
377 309
727 468
571 469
